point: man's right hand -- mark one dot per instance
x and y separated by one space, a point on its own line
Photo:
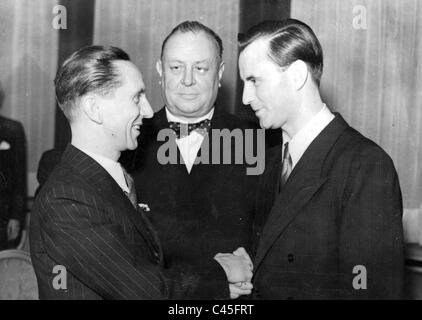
238 268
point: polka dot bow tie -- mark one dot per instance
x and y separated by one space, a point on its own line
184 129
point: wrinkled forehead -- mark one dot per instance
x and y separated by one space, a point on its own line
195 44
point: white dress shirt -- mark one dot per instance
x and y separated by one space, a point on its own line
113 168
301 140
189 145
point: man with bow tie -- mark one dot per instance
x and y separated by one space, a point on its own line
12 180
198 208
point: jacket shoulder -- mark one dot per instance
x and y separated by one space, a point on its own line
63 181
356 147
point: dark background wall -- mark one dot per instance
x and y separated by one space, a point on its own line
252 12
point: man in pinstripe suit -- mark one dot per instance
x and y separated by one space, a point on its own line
89 238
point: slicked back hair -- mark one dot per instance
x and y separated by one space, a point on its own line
196 27
289 40
89 69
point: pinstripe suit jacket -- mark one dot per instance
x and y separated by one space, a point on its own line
83 221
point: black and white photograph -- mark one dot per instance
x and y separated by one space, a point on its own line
211 154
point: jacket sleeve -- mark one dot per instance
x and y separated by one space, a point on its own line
371 234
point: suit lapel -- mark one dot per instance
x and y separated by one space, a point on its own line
286 207
305 180
105 185
172 172
154 240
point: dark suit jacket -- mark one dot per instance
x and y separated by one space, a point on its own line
199 214
83 221
341 207
12 174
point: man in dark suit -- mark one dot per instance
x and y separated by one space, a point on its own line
200 206
12 181
89 237
330 205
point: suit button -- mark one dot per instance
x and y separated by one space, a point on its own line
290 257
258 234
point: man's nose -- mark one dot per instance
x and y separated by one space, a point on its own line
248 96
146 110
188 78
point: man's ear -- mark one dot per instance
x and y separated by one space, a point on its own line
91 108
159 67
220 70
298 73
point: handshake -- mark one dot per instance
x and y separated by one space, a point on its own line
238 267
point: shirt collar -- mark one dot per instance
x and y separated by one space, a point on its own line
172 117
301 140
113 168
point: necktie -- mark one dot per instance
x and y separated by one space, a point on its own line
286 166
184 129
152 238
131 185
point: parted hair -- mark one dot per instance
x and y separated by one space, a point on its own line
195 27
289 40
89 69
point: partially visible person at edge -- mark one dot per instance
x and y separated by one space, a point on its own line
13 185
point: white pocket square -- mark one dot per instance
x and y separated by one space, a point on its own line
4 145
